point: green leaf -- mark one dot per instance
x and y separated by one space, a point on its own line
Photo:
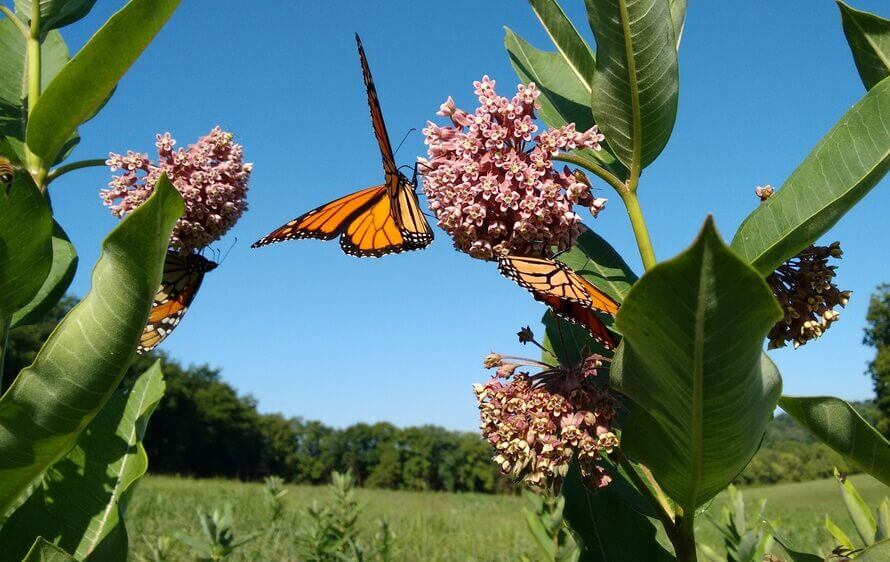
840 537
571 46
861 515
884 520
83 86
609 527
61 273
44 551
84 359
14 78
839 425
678 18
794 555
691 361
25 245
840 171
564 97
636 83
55 13
879 552
84 496
869 39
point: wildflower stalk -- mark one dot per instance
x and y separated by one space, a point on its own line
628 193
16 21
33 162
80 164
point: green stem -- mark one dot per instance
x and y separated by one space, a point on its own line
34 163
80 164
641 232
16 21
685 545
663 514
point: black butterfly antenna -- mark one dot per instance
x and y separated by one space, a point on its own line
232 245
411 130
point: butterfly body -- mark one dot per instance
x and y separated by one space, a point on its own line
568 294
375 221
181 280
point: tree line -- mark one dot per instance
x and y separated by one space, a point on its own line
204 428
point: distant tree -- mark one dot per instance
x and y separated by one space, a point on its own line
877 335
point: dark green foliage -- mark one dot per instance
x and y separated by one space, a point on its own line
877 335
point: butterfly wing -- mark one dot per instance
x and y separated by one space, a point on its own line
180 283
327 221
413 225
389 160
568 294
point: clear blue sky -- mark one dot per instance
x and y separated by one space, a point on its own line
312 332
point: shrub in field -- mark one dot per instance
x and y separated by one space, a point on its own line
744 541
217 539
544 519
871 529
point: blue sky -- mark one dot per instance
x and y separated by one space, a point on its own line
312 332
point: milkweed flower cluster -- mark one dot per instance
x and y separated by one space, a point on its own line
804 287
490 178
211 176
538 423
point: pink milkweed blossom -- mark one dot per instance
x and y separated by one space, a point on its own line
211 176
490 178
538 423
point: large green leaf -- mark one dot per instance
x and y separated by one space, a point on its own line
564 97
839 425
678 18
691 361
610 527
83 497
25 245
61 273
840 171
13 78
571 46
869 39
636 83
88 79
56 13
44 551
82 362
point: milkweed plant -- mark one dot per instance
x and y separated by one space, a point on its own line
632 441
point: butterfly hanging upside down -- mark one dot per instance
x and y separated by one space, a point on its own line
569 296
379 220
180 283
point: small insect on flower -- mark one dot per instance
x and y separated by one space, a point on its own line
490 177
7 174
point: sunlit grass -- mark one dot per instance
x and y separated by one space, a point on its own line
446 527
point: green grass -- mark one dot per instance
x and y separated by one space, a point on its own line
447 527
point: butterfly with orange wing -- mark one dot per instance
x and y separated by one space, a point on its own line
379 220
569 296
180 283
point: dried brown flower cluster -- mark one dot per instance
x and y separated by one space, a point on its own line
804 286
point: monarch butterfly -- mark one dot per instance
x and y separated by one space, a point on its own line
180 283
7 173
568 295
379 220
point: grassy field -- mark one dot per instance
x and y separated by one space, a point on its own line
445 527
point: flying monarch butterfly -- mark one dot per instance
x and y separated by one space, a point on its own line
568 295
180 283
379 220
7 173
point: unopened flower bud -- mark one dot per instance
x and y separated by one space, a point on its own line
492 360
